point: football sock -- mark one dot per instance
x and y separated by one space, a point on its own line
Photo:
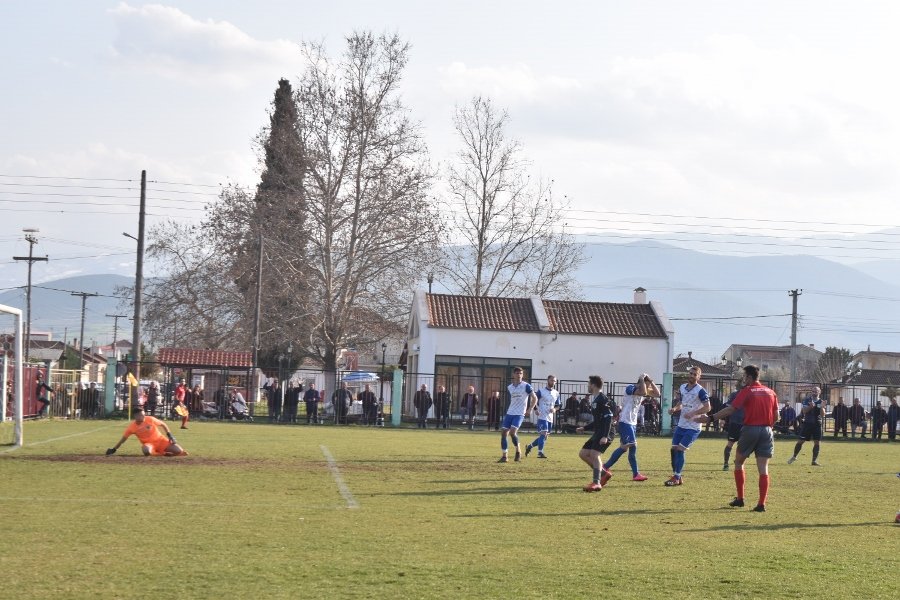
596 475
763 489
632 460
542 439
515 441
815 453
672 452
727 454
679 462
504 445
739 482
797 448
614 457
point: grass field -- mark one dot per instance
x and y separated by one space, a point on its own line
260 511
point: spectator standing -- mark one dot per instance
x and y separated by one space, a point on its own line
584 410
788 420
180 407
311 398
291 401
893 416
811 413
369 405
442 407
197 400
858 418
422 402
42 393
152 398
494 406
879 418
840 414
273 399
342 400
570 410
469 405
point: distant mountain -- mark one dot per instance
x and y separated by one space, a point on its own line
713 300
55 309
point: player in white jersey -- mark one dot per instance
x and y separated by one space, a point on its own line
694 404
521 401
547 405
628 419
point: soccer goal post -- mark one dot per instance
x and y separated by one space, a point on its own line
15 435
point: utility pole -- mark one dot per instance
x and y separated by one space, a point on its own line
259 265
139 280
84 297
794 294
32 240
116 332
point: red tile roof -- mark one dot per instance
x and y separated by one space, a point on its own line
603 318
565 316
192 357
476 312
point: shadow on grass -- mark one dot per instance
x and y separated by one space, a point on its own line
781 526
593 513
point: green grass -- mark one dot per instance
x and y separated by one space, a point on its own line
256 512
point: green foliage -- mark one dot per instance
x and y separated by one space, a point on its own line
833 364
890 392
259 514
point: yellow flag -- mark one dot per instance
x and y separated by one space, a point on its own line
132 381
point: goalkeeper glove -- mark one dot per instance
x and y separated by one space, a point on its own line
170 436
110 451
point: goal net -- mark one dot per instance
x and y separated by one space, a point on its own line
12 377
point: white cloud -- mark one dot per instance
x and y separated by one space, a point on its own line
506 84
173 44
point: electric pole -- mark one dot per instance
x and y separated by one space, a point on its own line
116 332
794 294
84 297
32 240
139 280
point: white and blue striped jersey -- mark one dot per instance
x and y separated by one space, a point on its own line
547 400
518 398
631 406
691 400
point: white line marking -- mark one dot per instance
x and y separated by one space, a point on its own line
56 439
151 501
336 473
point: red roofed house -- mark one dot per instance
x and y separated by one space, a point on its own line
213 370
470 339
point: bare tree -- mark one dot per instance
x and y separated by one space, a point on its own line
505 234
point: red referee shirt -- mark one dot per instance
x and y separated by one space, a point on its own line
760 405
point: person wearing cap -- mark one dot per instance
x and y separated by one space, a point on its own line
153 441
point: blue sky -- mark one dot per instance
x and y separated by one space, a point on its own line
735 111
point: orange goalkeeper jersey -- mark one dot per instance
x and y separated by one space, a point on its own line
147 431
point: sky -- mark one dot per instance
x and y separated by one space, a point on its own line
696 120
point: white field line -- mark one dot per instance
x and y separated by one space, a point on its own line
336 474
56 439
152 501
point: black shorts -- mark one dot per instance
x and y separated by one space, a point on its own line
734 432
594 444
811 431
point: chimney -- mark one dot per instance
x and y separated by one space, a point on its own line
813 346
640 295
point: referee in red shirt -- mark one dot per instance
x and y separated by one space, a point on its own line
760 406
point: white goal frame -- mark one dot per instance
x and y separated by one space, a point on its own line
17 386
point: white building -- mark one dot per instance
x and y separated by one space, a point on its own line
458 341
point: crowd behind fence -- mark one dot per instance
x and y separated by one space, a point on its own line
279 395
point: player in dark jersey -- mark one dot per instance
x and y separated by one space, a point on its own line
812 414
733 429
591 452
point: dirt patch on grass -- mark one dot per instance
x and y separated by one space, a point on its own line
180 461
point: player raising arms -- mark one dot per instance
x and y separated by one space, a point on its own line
694 403
593 448
628 418
521 401
153 442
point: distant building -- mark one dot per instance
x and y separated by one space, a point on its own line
885 361
774 361
473 340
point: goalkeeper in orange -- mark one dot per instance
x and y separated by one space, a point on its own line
153 442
